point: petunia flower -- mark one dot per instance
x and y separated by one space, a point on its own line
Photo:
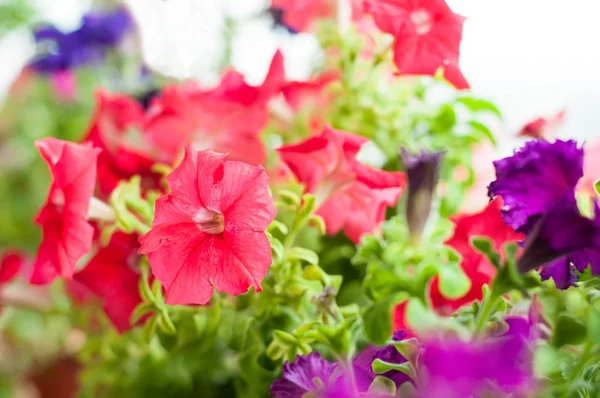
535 179
67 234
543 127
501 365
209 232
538 186
427 36
118 128
352 197
487 223
228 118
423 173
307 373
111 276
302 15
88 44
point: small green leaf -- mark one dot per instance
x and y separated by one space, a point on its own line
380 367
289 198
479 105
300 253
140 311
277 247
165 323
567 331
318 222
377 318
453 282
597 187
382 387
278 226
484 131
484 245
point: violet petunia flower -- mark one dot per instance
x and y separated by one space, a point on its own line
537 185
60 51
501 365
423 174
299 376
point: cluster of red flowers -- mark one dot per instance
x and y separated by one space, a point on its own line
209 230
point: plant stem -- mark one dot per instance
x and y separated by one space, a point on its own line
487 307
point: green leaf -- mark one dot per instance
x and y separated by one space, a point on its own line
140 311
484 246
318 222
423 320
289 198
453 282
300 253
377 318
597 187
382 387
380 367
479 105
483 131
568 330
278 226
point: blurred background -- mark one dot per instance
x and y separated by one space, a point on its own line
531 57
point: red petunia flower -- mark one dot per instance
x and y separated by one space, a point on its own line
301 15
228 118
427 36
118 129
488 223
110 275
543 127
209 232
352 197
67 233
310 93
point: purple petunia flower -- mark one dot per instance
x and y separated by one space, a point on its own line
502 365
537 185
59 51
535 179
423 174
299 376
363 363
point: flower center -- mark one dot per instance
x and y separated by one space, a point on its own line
210 221
421 19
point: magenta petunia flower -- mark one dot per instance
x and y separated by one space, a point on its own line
299 376
353 197
209 232
427 36
64 217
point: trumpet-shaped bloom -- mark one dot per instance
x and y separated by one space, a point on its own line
67 233
209 232
228 118
353 197
118 129
111 276
427 36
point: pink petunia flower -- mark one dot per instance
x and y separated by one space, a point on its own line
228 118
12 262
209 232
427 36
352 197
543 127
301 15
111 276
67 233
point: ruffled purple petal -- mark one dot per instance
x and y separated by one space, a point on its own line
298 376
535 179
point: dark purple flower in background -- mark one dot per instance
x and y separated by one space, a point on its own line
422 171
537 185
99 31
277 16
535 179
501 365
299 376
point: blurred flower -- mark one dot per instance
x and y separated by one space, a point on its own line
300 376
301 15
59 51
11 264
487 223
311 93
543 127
537 185
351 196
64 84
209 232
118 128
422 171
228 118
67 233
591 169
427 36
501 365
110 275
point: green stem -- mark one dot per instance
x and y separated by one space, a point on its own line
487 307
